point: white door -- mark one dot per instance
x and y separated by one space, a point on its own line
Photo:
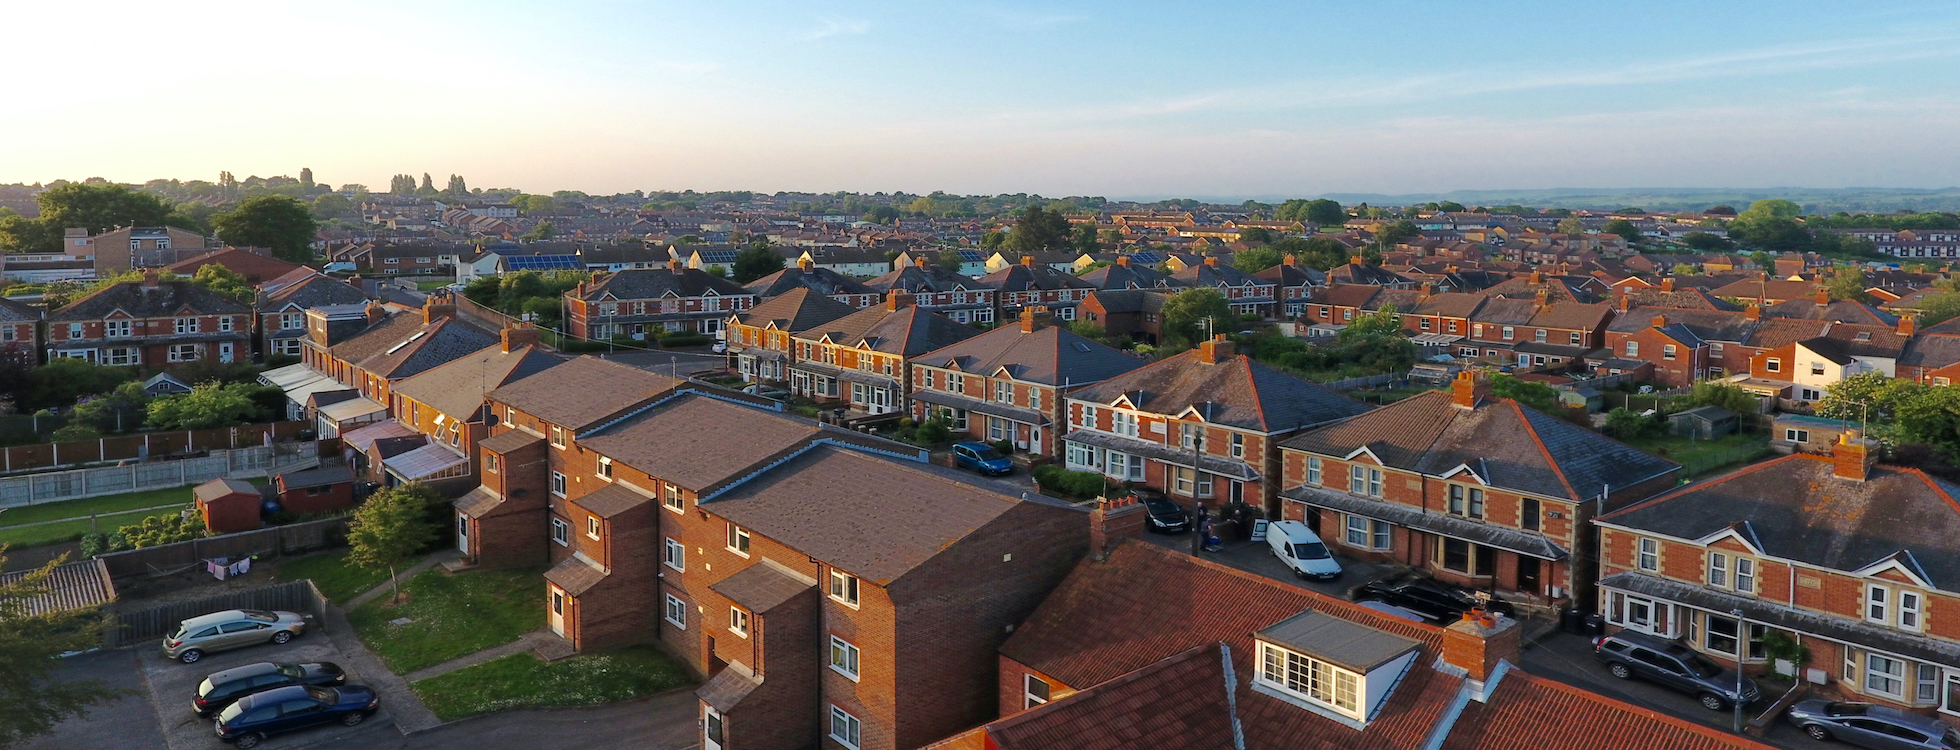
463 533
712 734
1034 440
557 611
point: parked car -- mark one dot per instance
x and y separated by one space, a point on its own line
1301 550
1394 611
260 715
758 389
1667 663
1438 601
1873 726
232 628
982 458
221 689
1165 516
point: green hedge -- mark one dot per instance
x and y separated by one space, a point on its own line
1072 483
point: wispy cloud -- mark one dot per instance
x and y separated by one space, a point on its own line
837 27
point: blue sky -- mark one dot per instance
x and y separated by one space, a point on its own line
1115 99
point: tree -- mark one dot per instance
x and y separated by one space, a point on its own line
1450 206
1392 234
1686 269
390 529
1724 395
530 204
402 184
949 259
1931 415
1720 211
1084 239
208 405
1848 284
1318 253
456 186
1037 231
1530 393
270 221
1326 213
756 261
1706 242
119 410
1256 234
993 240
1257 259
306 179
331 205
1571 225
717 270
224 281
1774 207
63 380
1626 424
428 186
1939 308
544 230
1625 229
1185 313
97 207
881 215
1866 396
29 644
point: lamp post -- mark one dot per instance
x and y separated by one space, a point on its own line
1741 633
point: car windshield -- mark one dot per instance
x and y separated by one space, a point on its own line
292 670
204 688
1950 737
986 453
1310 551
1161 507
1703 667
322 695
232 712
1845 709
253 614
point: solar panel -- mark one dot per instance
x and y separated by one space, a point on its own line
542 262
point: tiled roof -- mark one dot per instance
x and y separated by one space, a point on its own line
1758 288
308 289
764 585
1236 392
1130 300
823 280
669 441
458 387
1134 710
1841 311
932 278
507 441
1931 351
166 299
1572 316
1506 444
610 500
1020 278
583 392
1051 355
254 267
1771 333
1797 510
655 283
1526 712
1361 273
795 310
1709 325
909 330
575 575
1127 277
423 347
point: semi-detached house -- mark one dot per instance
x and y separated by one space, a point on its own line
1008 384
150 323
639 301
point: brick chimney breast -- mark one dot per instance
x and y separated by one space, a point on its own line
1907 324
1468 387
1853 455
921 261
1479 641
150 277
1211 260
1216 350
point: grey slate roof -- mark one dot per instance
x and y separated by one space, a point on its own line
909 330
308 289
823 280
795 310
611 500
1343 642
931 278
762 586
654 283
1505 443
1051 355
1236 392
1835 627
166 299
457 388
583 392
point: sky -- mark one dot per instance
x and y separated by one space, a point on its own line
1065 97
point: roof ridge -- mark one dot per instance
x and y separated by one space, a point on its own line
1679 723
1677 491
1288 585
1532 430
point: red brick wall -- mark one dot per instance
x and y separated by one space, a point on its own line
782 713
329 499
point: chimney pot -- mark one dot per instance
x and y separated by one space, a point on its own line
519 335
1479 641
1291 260
1468 387
1112 521
1034 318
1907 325
1216 350
921 261
674 264
1853 455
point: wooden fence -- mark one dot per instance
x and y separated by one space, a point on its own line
145 446
132 628
75 484
165 559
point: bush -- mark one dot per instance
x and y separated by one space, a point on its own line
1006 447
932 432
1081 484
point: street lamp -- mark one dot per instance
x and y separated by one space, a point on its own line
1741 632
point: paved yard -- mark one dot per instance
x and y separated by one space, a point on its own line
1256 557
171 685
126 723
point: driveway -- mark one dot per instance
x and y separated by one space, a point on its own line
1569 659
171 684
126 723
664 722
1256 557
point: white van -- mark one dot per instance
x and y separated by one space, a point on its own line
1300 550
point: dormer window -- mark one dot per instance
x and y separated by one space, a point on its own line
1338 668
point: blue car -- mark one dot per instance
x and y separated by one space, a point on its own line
255 717
982 458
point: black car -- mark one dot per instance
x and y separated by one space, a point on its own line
1165 516
1664 662
259 715
222 688
1438 601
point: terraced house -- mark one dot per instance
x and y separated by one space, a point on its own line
150 323
957 296
1029 283
282 304
1201 426
860 361
868 623
1483 492
1009 384
1852 559
761 337
1246 293
639 301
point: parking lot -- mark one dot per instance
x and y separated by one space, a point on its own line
1256 557
171 684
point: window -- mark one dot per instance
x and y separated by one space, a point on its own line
1034 397
1573 339
1003 391
677 611
1773 365
74 330
1718 569
925 378
1313 470
843 657
1125 424
186 325
676 557
1649 557
1188 435
1667 351
1909 606
1885 675
183 352
558 483
1238 445
1466 501
1633 348
1310 678
1035 692
1088 416
1529 514
121 356
224 322
1878 604
1124 466
1929 684
673 500
1367 533
738 621
1816 368
1466 558
844 728
1796 436
605 468
1540 336
844 587
1745 575
738 540
557 436
1365 481
1182 482
1723 635
561 532
592 527
1507 333
112 329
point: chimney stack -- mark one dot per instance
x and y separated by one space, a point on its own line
1667 284
1544 298
1354 260
1907 324
1823 297
1218 349
1536 278
921 261
1211 260
1660 321
519 335
1035 318
1427 290
805 264
1112 521
1753 312
150 277
1123 260
1027 260
1479 641
898 300
437 307
1626 302
375 312
1467 389
1291 260
1853 455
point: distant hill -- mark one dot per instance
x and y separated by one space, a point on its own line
1813 200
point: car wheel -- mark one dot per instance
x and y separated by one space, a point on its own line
1712 701
1621 671
353 719
1817 732
248 741
282 637
191 656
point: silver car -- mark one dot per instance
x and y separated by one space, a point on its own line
234 628
1873 726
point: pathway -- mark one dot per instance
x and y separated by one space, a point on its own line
177 506
426 563
527 642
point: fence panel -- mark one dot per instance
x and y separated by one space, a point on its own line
278 540
75 484
157 622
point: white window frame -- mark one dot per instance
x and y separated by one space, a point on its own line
676 612
845 588
738 540
844 657
1718 569
1647 554
1875 675
676 556
845 729
672 498
592 527
738 621
1313 470
186 325
1878 604
559 484
605 468
1745 575
1373 534
1911 615
1028 698
561 532
1325 684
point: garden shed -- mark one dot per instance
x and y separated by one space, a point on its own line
1703 422
229 505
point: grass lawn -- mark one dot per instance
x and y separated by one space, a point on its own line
521 681
104 504
1698 457
452 615
330 571
68 531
